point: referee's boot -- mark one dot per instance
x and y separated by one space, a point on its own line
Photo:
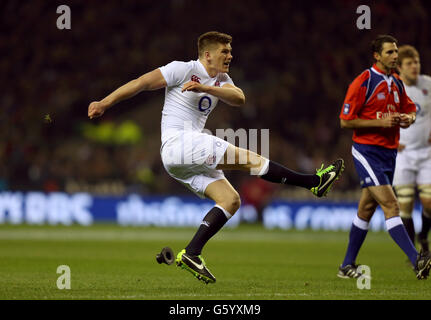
195 265
327 177
423 265
349 271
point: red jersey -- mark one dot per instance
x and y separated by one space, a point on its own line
375 95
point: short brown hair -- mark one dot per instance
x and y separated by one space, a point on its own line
377 44
406 51
210 38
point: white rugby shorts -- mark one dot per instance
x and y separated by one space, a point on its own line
413 167
191 158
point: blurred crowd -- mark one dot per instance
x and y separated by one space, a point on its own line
294 62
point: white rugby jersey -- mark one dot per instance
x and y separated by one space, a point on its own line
416 136
188 109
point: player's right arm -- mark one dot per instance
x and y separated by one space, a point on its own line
150 81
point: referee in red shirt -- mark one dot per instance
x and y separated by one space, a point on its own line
375 107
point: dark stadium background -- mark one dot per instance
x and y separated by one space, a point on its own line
293 59
60 171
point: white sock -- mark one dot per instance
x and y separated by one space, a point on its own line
393 222
361 224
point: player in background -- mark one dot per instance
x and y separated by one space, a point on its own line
196 159
413 165
375 107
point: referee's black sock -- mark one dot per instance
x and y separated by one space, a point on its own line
210 225
279 174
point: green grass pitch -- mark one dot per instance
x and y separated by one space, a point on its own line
249 262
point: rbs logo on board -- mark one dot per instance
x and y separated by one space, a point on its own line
40 208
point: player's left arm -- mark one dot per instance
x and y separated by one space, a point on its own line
229 93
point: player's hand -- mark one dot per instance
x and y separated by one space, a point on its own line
405 120
193 86
391 121
401 147
96 109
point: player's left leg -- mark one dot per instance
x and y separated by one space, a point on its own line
425 197
320 183
385 197
227 202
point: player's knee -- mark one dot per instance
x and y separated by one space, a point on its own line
232 203
369 207
391 206
236 202
366 208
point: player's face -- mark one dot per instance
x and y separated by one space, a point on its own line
221 57
387 59
410 69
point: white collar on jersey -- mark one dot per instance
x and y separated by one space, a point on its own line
388 78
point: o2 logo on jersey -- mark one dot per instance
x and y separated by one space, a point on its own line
418 109
205 105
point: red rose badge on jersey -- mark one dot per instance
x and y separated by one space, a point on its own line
196 79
